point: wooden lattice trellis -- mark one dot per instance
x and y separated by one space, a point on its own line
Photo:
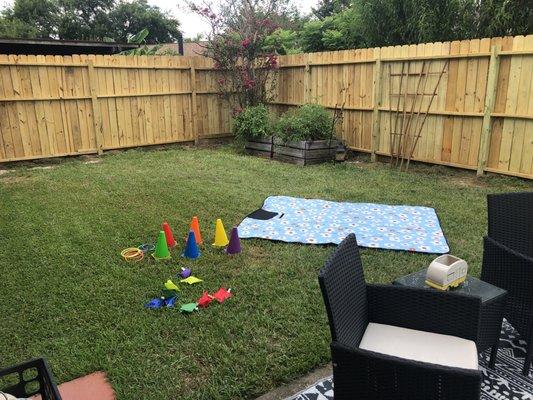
408 118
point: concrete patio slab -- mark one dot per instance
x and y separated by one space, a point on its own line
299 384
89 387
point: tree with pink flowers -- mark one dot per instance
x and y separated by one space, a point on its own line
237 44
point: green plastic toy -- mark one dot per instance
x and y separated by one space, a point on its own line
189 307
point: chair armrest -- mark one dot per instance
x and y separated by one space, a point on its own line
424 309
46 387
512 271
507 266
368 375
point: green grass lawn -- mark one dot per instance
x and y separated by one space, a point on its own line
67 295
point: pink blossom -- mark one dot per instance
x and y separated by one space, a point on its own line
236 111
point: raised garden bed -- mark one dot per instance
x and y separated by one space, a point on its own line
262 147
305 152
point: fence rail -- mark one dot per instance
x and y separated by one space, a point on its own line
54 106
480 119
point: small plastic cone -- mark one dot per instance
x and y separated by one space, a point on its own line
168 235
234 246
221 239
195 227
191 249
161 249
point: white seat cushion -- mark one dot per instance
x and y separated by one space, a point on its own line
420 346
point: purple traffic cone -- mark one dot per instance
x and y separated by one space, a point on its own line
234 246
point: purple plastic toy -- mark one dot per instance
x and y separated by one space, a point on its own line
185 273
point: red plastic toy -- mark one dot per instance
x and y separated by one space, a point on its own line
205 300
222 294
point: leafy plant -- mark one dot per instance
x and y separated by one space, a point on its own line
283 41
307 122
252 122
236 42
144 50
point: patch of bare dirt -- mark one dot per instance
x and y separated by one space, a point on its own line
12 180
467 181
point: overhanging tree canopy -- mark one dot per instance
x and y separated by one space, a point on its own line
87 20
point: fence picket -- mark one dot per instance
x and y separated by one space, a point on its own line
481 118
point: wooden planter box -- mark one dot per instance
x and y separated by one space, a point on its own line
305 152
262 147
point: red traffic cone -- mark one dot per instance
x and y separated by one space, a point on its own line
168 235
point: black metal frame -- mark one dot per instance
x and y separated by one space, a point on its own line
351 304
47 388
508 259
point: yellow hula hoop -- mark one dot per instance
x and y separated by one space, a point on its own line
132 254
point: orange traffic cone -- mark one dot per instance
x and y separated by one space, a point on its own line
195 227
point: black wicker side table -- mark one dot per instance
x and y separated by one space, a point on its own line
492 306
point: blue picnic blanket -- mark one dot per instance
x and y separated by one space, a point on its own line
314 221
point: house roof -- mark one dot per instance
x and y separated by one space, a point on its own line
61 47
194 48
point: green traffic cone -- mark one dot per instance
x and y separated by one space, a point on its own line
161 249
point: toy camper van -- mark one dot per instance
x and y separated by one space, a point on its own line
446 271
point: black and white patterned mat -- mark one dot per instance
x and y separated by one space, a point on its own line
505 382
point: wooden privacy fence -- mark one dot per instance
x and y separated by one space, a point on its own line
66 105
481 117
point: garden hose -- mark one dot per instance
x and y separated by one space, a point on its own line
145 248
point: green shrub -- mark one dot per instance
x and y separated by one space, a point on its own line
307 122
252 122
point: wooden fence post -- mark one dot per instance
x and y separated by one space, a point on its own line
97 117
376 97
307 80
490 98
194 110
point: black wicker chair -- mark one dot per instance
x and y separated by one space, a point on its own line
353 306
508 259
30 378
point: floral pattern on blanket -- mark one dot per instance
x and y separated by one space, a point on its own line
314 221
